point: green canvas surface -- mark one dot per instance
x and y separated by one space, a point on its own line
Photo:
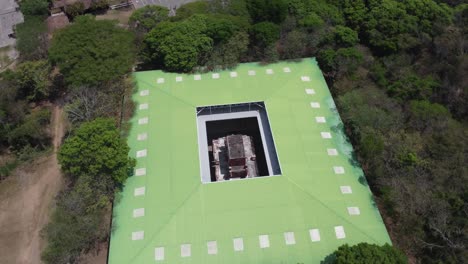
180 209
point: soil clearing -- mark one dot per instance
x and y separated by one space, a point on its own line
26 200
120 15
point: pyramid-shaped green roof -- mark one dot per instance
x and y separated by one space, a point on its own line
321 200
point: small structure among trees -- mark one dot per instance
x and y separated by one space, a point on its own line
234 157
57 21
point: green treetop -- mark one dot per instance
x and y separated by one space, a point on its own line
368 253
89 52
179 45
146 18
34 7
96 148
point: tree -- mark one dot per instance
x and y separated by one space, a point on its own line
315 13
371 144
345 37
190 9
87 103
221 28
368 253
97 5
34 7
293 45
97 149
388 27
32 38
75 9
431 17
311 21
267 10
146 18
263 41
341 62
32 80
355 13
95 158
425 116
11 112
461 15
32 131
369 108
179 46
89 52
265 33
227 55
77 224
413 87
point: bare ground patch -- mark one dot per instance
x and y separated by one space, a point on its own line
122 16
26 199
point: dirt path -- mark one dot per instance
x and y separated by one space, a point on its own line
26 198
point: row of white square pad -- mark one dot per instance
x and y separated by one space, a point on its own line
198 77
331 152
238 243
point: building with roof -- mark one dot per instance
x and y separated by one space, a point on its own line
309 198
57 21
61 5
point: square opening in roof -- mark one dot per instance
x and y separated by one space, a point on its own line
235 142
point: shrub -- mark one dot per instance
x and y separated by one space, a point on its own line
368 253
96 148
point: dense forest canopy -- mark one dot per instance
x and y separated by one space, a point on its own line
366 253
90 52
95 160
